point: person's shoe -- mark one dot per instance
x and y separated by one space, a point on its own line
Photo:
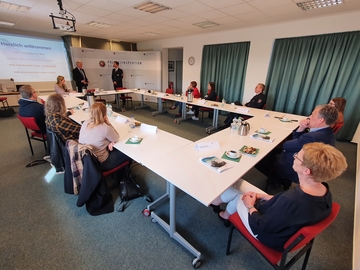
226 221
190 112
172 108
60 171
195 118
216 208
47 158
178 114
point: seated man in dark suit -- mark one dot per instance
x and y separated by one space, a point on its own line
259 100
315 128
30 107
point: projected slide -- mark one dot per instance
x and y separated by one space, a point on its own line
28 59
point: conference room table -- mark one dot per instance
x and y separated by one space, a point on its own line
159 151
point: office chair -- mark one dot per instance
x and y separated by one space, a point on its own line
125 97
302 239
36 134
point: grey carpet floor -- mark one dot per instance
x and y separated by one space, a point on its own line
41 227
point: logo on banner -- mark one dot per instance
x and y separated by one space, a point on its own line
102 63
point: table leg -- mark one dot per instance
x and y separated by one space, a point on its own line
183 114
171 227
117 97
215 122
143 105
160 109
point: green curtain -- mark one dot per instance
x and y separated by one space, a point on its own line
307 71
225 64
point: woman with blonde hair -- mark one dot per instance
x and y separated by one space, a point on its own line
101 135
57 118
60 86
274 219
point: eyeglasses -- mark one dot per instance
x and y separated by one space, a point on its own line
296 156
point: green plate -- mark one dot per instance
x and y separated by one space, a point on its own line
242 151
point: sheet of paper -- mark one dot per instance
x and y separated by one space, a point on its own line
148 128
201 101
207 146
242 110
121 120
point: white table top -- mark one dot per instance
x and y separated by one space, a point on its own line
203 183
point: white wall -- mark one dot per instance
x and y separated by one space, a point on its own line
261 38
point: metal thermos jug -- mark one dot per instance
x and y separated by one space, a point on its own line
90 99
190 95
244 129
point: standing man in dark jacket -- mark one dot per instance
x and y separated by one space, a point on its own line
117 77
29 107
79 77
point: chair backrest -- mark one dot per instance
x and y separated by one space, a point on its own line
337 127
90 91
169 91
309 232
120 88
29 122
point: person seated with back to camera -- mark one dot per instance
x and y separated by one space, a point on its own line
258 102
101 135
211 95
60 86
339 103
30 107
57 119
272 220
315 128
196 94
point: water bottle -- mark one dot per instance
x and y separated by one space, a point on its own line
223 103
132 122
108 110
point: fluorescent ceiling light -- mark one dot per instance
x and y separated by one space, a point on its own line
99 24
14 7
7 23
314 4
206 24
151 7
152 34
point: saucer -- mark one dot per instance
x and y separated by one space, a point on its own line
282 120
237 155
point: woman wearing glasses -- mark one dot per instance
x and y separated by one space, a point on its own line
274 219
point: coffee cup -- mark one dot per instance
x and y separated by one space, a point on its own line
262 130
232 104
285 119
232 153
134 138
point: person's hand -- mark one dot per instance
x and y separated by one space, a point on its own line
110 146
263 197
106 119
304 124
115 83
72 111
83 82
249 199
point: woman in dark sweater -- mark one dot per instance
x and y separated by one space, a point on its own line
211 95
274 219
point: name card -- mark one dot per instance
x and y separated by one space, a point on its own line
242 110
86 105
161 94
267 115
121 120
148 128
201 101
207 146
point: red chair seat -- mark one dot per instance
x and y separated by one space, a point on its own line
302 239
121 166
36 134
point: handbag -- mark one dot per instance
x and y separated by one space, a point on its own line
129 189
